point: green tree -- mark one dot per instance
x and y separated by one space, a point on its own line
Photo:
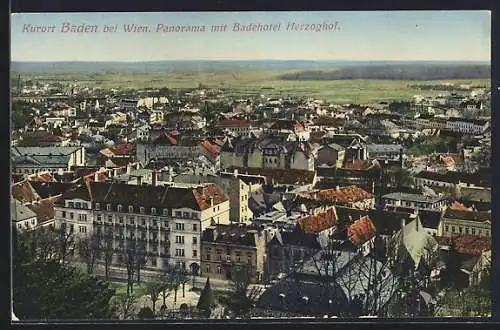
47 290
207 299
146 313
154 289
242 298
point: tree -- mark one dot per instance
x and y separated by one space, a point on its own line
207 299
65 243
129 260
50 290
125 306
154 288
242 298
89 248
107 253
146 313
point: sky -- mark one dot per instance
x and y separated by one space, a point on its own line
380 35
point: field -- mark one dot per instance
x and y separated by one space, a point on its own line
241 82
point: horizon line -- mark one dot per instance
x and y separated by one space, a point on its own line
250 59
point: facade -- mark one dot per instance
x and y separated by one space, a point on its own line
331 155
233 186
236 127
228 248
165 222
392 152
467 126
22 217
28 160
464 222
414 201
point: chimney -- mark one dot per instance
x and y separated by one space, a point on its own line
138 166
96 176
139 180
235 173
115 172
153 178
337 188
129 169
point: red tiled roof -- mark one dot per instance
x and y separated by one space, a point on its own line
233 123
24 192
469 244
361 231
41 177
343 195
123 149
318 222
459 206
44 209
210 147
210 191
165 137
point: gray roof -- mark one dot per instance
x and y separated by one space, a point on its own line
383 148
48 156
44 151
19 212
413 197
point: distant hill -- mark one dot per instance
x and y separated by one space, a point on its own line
348 68
398 71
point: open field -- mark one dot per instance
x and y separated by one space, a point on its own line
252 82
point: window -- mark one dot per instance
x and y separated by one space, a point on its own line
153 262
78 205
178 214
195 253
153 222
219 254
71 204
153 211
179 252
99 217
179 239
195 227
207 269
32 221
195 240
473 231
71 215
461 230
214 209
82 229
467 231
179 226
19 226
108 207
165 224
446 228
185 214
194 215
219 270
120 219
141 210
119 208
130 209
110 218
82 217
143 221
208 256
85 205
165 212
71 228
64 214
453 229
238 256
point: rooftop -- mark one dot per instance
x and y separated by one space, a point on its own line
413 197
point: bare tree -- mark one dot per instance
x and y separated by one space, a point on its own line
243 298
154 289
125 304
141 258
107 255
89 248
66 244
129 260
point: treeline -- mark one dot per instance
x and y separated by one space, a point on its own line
443 87
396 72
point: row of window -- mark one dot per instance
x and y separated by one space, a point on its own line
180 240
154 211
78 205
81 217
466 230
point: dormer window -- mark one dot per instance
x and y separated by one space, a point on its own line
153 211
120 208
71 205
130 209
141 210
165 212
97 206
108 207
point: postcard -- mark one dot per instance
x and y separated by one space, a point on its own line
193 166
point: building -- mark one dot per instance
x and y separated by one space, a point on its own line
165 221
389 152
465 222
268 152
350 196
234 186
413 201
290 129
22 217
229 248
236 127
331 154
467 126
28 160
